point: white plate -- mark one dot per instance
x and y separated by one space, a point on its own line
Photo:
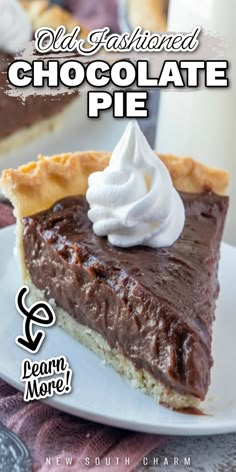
98 392
76 133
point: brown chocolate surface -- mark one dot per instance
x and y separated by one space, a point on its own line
14 114
156 306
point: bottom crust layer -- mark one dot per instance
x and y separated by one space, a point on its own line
141 379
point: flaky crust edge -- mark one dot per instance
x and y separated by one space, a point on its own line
43 14
151 14
36 186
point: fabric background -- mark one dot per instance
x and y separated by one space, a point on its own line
48 432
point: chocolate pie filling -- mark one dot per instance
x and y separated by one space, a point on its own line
15 115
156 306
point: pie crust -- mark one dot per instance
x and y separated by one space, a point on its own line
36 186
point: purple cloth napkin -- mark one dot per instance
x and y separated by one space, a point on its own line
6 216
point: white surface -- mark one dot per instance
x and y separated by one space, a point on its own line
98 392
76 133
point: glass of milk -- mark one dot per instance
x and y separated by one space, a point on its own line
202 124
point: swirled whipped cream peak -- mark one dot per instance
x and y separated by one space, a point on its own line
133 201
15 27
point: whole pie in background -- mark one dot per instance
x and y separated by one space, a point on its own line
22 122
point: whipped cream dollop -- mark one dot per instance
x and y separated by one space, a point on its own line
133 200
15 27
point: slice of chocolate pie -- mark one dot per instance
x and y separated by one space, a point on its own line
147 309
